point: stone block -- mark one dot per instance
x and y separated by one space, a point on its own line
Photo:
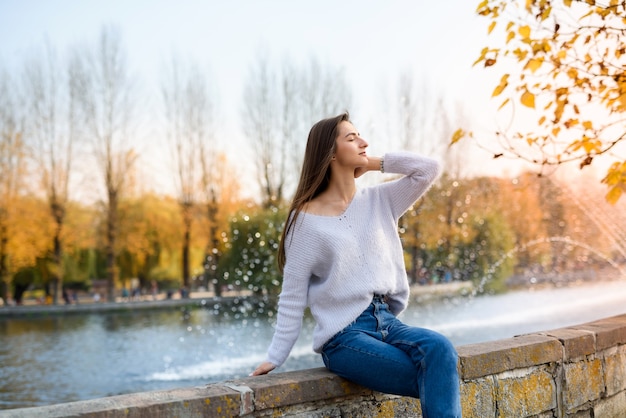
609 331
302 386
478 398
377 406
584 382
615 370
612 407
484 359
576 343
386 407
526 393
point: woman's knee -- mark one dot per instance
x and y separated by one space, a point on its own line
442 348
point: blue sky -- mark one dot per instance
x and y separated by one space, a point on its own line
373 41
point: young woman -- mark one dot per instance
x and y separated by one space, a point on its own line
341 255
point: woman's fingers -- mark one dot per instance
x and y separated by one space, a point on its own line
263 368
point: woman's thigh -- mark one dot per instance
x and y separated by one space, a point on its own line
363 358
421 344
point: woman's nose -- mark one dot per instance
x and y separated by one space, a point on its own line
364 143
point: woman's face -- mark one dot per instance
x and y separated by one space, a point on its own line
350 147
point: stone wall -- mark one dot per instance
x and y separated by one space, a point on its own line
579 371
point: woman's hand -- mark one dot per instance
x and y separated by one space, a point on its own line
264 368
373 163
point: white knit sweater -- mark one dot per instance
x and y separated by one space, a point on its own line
335 264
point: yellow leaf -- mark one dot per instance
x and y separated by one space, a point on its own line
458 134
529 3
482 5
590 145
588 124
493 25
575 146
616 174
533 64
567 3
509 36
546 13
503 83
524 31
613 195
520 54
483 54
503 104
572 73
528 99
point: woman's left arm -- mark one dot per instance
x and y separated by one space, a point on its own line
419 174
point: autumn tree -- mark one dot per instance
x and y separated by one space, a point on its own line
220 189
470 243
150 240
421 121
12 153
51 100
190 116
569 58
107 107
29 246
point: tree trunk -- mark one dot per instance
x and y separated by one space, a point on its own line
58 212
111 234
4 288
213 253
186 244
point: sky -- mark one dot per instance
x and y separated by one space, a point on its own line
372 40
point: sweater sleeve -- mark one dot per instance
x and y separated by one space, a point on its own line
419 174
292 300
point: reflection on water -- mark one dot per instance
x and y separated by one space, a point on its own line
62 359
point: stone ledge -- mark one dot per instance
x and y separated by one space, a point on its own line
212 400
542 374
484 359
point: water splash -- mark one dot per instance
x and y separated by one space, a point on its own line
219 368
605 217
493 268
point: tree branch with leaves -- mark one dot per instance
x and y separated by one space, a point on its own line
571 56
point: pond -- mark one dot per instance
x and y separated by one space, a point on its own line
75 357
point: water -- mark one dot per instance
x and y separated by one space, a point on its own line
67 358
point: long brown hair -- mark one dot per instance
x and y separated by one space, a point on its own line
315 174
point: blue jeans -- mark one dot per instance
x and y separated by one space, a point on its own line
380 352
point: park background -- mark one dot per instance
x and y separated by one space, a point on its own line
157 142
